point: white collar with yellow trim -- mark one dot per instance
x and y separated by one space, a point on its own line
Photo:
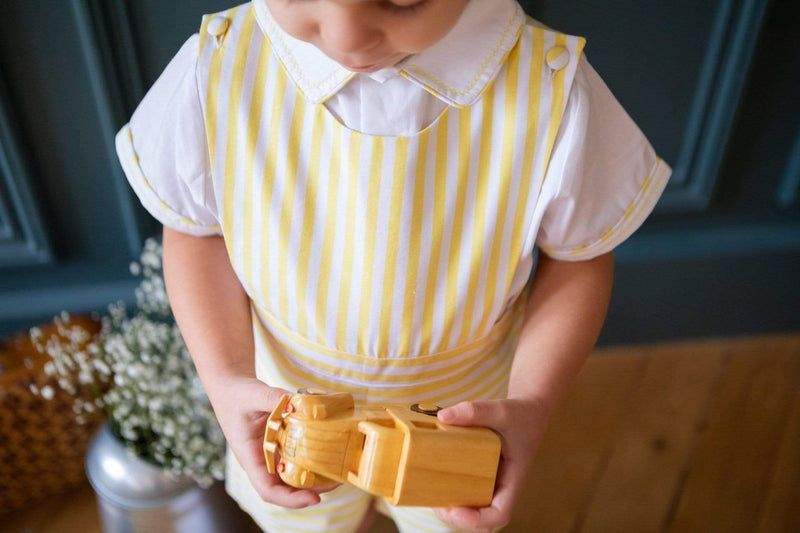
456 69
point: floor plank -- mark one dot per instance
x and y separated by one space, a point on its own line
652 444
574 448
729 473
608 461
72 512
781 511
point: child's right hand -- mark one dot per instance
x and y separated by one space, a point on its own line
242 406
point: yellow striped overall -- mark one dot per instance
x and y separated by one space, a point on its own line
394 268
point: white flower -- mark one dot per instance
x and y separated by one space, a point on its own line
47 392
139 371
102 367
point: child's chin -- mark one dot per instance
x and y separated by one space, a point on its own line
362 68
374 67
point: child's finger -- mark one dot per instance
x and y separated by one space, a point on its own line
271 489
326 488
483 413
264 398
498 513
478 520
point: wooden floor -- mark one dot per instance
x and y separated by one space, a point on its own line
701 436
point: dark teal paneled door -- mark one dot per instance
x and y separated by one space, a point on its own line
713 84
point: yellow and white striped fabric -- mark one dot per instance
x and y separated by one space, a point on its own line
385 266
390 267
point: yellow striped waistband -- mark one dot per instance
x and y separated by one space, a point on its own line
297 343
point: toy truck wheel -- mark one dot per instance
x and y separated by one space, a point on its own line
314 392
271 433
300 477
426 409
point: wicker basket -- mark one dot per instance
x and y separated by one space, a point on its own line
42 447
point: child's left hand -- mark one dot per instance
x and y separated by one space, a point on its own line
520 424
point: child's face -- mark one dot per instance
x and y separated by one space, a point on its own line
367 35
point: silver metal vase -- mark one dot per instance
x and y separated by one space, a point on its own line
134 496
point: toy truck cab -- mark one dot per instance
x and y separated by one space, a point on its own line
401 453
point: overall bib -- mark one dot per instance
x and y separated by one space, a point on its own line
395 268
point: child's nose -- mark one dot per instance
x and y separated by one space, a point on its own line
349 32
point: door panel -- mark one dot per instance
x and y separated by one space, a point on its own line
712 84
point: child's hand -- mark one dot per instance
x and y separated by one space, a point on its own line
242 406
520 424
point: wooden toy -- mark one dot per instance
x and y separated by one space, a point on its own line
399 452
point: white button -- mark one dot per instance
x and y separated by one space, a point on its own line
218 26
557 57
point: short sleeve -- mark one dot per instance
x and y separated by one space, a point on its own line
163 149
603 179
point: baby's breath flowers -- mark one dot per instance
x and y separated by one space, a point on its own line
138 370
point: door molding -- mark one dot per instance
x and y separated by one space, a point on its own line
24 241
107 73
726 64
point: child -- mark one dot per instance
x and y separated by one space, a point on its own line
352 191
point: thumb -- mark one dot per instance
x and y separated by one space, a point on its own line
266 397
469 414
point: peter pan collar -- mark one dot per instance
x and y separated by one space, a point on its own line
457 69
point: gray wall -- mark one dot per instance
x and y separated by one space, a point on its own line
713 84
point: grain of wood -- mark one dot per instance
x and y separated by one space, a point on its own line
574 449
73 512
654 440
781 510
729 473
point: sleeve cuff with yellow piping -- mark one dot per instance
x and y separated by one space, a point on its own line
201 223
633 217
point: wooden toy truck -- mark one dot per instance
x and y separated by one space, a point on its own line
401 453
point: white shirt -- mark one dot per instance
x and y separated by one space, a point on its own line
384 103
